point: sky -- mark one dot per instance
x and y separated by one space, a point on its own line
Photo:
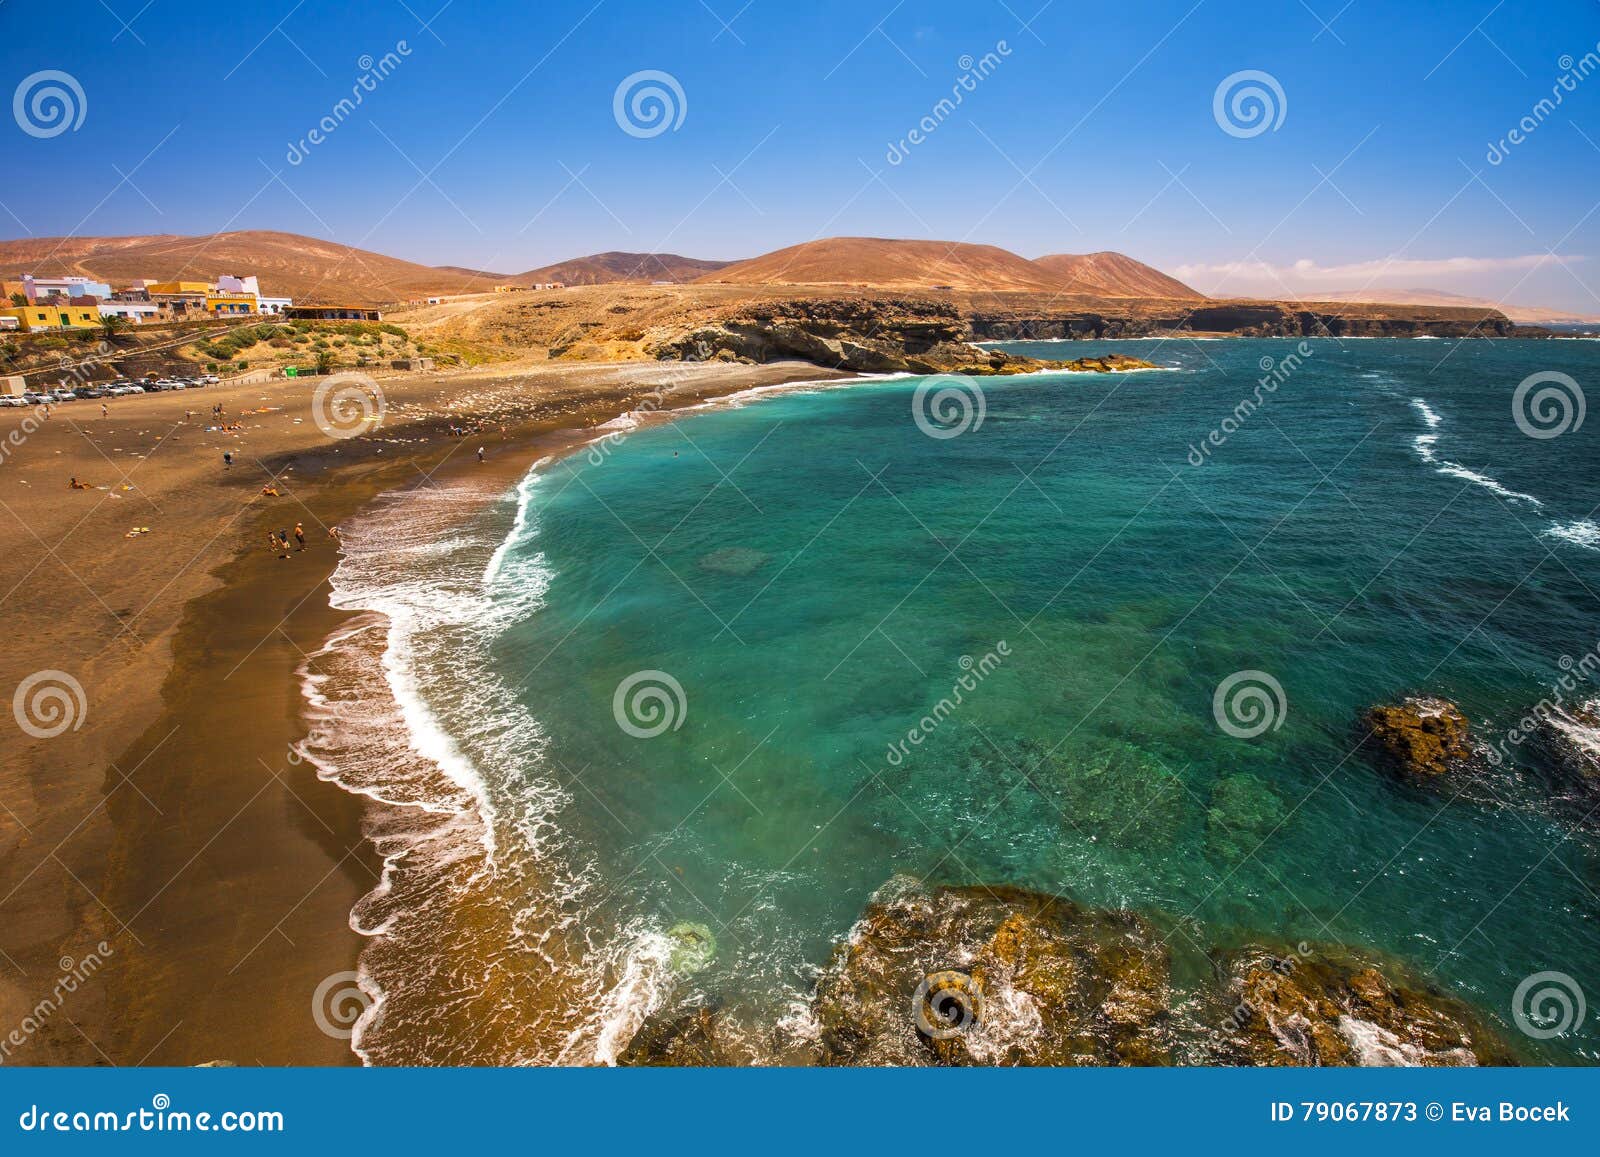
1372 144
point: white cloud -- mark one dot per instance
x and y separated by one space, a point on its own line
1236 277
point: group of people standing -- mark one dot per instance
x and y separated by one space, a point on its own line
278 540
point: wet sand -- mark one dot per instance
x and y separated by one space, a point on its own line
172 835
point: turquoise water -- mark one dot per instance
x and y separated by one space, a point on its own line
816 573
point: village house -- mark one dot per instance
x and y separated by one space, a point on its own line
53 315
141 300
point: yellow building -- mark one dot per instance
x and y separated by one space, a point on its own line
185 287
34 318
225 304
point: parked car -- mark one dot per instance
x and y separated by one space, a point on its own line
12 400
36 399
62 395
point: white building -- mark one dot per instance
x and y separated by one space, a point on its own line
229 284
273 304
134 311
45 287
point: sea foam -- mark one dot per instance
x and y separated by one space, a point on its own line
1425 444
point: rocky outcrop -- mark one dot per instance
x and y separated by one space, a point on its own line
1423 738
925 334
996 976
1108 364
696 1038
968 976
868 335
962 976
1308 1009
1246 319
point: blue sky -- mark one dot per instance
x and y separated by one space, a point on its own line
492 142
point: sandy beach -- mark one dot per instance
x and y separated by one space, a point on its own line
167 833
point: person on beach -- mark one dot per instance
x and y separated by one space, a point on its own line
283 542
333 533
103 411
480 453
76 485
227 459
281 549
300 536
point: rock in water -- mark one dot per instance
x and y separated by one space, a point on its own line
1422 737
1569 738
734 560
694 1039
1242 812
693 948
1108 364
970 976
1120 794
1314 1009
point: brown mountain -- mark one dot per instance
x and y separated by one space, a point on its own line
1108 274
893 264
481 274
1521 314
305 268
603 268
884 263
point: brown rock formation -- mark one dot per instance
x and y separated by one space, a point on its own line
1312 1010
965 976
1422 737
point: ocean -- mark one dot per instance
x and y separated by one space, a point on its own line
647 734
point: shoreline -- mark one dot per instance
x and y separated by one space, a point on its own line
422 793
216 868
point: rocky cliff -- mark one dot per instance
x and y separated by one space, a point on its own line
932 333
